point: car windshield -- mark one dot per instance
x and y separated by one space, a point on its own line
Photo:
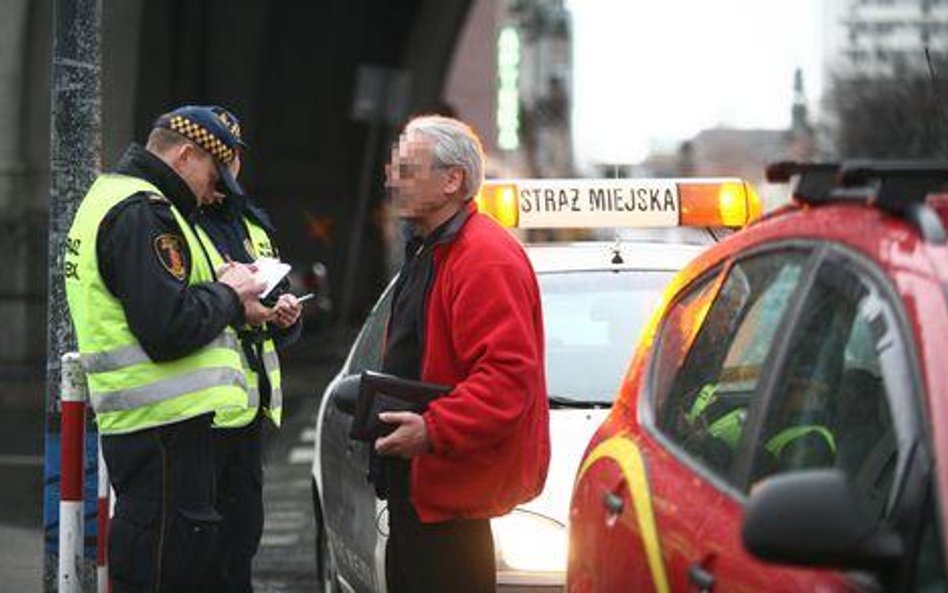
592 321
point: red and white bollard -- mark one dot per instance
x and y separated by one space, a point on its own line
72 462
102 514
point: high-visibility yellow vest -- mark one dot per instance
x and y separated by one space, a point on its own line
260 246
128 391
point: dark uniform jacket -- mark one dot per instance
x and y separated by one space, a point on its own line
169 317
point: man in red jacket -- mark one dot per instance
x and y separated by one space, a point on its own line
466 313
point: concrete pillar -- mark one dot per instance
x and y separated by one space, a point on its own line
24 98
13 52
121 36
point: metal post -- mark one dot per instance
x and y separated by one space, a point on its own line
72 438
75 149
358 222
380 97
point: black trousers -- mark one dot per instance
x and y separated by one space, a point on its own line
453 556
238 460
164 530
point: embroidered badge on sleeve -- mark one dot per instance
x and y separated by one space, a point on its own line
170 251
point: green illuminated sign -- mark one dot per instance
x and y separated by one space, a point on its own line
508 97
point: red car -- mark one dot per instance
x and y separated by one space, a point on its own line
790 398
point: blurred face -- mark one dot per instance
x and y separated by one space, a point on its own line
422 191
198 170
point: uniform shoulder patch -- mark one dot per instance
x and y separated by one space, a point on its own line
152 197
170 252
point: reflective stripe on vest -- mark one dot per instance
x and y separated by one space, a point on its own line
260 246
158 391
786 436
128 391
126 356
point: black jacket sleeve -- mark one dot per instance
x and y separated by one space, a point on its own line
169 317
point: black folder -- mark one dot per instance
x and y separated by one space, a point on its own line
380 392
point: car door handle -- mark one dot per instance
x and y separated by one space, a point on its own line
613 503
701 578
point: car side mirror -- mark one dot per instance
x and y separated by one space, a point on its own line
345 393
813 518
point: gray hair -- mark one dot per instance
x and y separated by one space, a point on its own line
454 144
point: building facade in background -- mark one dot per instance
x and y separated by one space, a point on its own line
881 36
740 152
512 79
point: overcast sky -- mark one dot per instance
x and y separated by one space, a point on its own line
650 73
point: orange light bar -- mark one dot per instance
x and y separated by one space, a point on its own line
499 201
721 203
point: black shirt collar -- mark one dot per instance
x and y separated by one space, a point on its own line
233 207
138 162
444 233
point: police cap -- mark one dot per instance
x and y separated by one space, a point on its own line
214 129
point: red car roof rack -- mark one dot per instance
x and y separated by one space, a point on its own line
897 187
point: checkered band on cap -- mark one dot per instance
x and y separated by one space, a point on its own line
203 138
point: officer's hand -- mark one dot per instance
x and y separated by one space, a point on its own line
255 312
408 440
286 311
241 278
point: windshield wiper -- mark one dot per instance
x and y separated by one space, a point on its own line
559 401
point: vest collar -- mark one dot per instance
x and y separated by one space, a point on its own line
138 162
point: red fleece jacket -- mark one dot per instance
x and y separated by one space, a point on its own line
484 335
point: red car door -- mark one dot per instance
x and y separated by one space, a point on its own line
844 364
629 519
636 510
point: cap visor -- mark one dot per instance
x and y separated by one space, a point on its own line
230 184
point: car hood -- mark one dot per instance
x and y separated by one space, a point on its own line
570 432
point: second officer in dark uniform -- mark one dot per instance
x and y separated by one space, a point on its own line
235 228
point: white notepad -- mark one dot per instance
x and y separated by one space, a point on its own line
272 271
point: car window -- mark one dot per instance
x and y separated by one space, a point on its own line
679 329
591 321
709 394
830 406
367 354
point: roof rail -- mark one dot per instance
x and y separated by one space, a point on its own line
897 183
901 188
897 187
815 182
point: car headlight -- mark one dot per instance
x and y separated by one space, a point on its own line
529 542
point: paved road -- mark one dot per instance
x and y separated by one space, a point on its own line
21 486
286 561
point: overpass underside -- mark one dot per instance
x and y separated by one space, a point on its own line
289 69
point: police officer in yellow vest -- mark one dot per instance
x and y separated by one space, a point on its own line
154 322
810 444
235 228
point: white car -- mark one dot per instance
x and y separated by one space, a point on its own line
596 297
